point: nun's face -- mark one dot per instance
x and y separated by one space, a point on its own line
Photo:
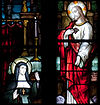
22 69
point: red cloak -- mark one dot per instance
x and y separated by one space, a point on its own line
77 77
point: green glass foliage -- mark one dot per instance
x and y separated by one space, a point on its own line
60 5
94 6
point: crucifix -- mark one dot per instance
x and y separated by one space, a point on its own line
23 91
24 10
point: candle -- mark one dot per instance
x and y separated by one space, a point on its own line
35 27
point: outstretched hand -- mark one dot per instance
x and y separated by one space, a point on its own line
37 76
78 60
15 94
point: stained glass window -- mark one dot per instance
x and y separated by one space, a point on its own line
77 76
20 48
27 53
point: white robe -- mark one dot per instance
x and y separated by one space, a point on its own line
85 33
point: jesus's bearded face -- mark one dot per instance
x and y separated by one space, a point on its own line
76 14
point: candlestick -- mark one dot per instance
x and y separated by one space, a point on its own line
35 52
25 53
36 42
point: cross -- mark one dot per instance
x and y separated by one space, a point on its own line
23 91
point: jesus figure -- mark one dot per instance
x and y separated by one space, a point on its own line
75 55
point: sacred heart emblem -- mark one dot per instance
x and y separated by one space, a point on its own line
76 30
